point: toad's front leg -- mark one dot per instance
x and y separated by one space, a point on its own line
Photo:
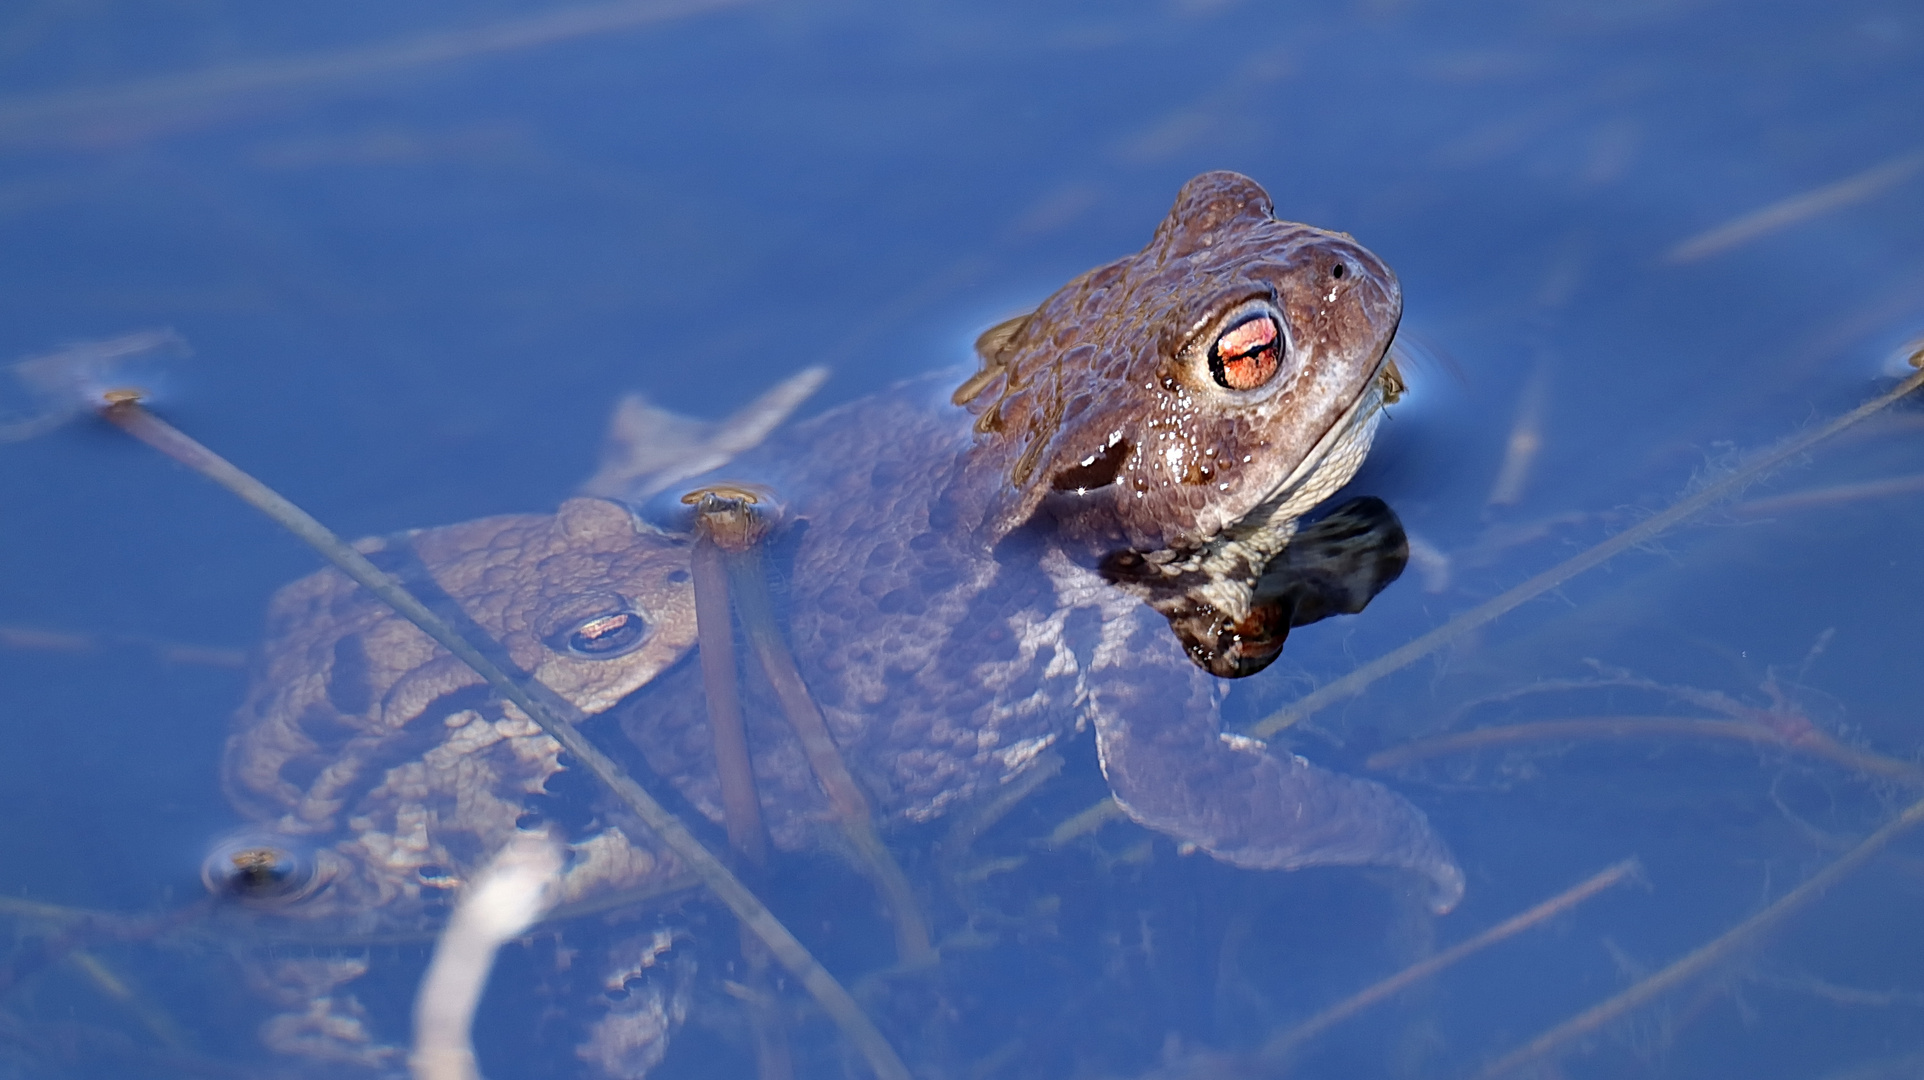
1173 769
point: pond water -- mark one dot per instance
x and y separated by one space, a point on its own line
419 250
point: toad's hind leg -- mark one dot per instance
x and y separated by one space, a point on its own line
1173 770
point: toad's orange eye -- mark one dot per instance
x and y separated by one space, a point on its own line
606 634
598 625
1246 355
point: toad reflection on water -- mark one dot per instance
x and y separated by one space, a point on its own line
973 573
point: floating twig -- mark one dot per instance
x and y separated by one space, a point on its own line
78 927
552 713
1643 532
1285 1043
57 913
1709 954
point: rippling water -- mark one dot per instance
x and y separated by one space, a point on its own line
418 251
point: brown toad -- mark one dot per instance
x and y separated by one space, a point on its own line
968 573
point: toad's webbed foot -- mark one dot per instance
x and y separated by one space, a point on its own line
1170 768
647 988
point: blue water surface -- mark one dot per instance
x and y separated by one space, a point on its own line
418 250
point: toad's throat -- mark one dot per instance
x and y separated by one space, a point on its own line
1327 467
1212 593
1234 556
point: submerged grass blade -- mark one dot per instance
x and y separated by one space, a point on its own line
552 713
1285 1043
1093 817
146 1009
1396 659
1812 742
1709 954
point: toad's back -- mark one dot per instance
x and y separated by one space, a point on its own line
934 659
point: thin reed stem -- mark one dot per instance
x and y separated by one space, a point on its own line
851 805
1709 954
715 630
1283 1044
1808 741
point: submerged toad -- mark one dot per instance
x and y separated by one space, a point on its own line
968 573
379 773
391 757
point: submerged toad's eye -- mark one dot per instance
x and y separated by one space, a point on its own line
593 626
1247 354
606 635
260 868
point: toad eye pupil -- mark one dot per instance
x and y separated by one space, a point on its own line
1246 355
607 634
1337 270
